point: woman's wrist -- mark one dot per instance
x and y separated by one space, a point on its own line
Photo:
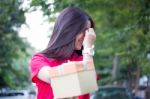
89 51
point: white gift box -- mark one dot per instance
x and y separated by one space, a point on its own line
73 80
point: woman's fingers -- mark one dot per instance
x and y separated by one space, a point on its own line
90 31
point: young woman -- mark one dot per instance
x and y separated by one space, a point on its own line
72 33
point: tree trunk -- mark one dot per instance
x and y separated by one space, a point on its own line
137 79
114 67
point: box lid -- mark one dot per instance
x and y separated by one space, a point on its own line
71 67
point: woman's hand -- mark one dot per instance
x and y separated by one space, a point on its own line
89 38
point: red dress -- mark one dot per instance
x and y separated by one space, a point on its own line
44 89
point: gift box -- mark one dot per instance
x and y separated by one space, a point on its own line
73 79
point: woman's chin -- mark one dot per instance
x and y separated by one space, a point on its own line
78 48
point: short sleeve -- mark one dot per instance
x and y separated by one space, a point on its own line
36 63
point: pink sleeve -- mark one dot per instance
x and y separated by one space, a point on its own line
37 62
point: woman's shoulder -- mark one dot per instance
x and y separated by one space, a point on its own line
38 56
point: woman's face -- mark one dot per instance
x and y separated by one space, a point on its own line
80 37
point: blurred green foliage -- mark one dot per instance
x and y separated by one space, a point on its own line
14 51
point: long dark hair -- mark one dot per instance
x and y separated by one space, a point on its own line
69 23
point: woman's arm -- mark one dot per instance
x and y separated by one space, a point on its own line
44 74
88 44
